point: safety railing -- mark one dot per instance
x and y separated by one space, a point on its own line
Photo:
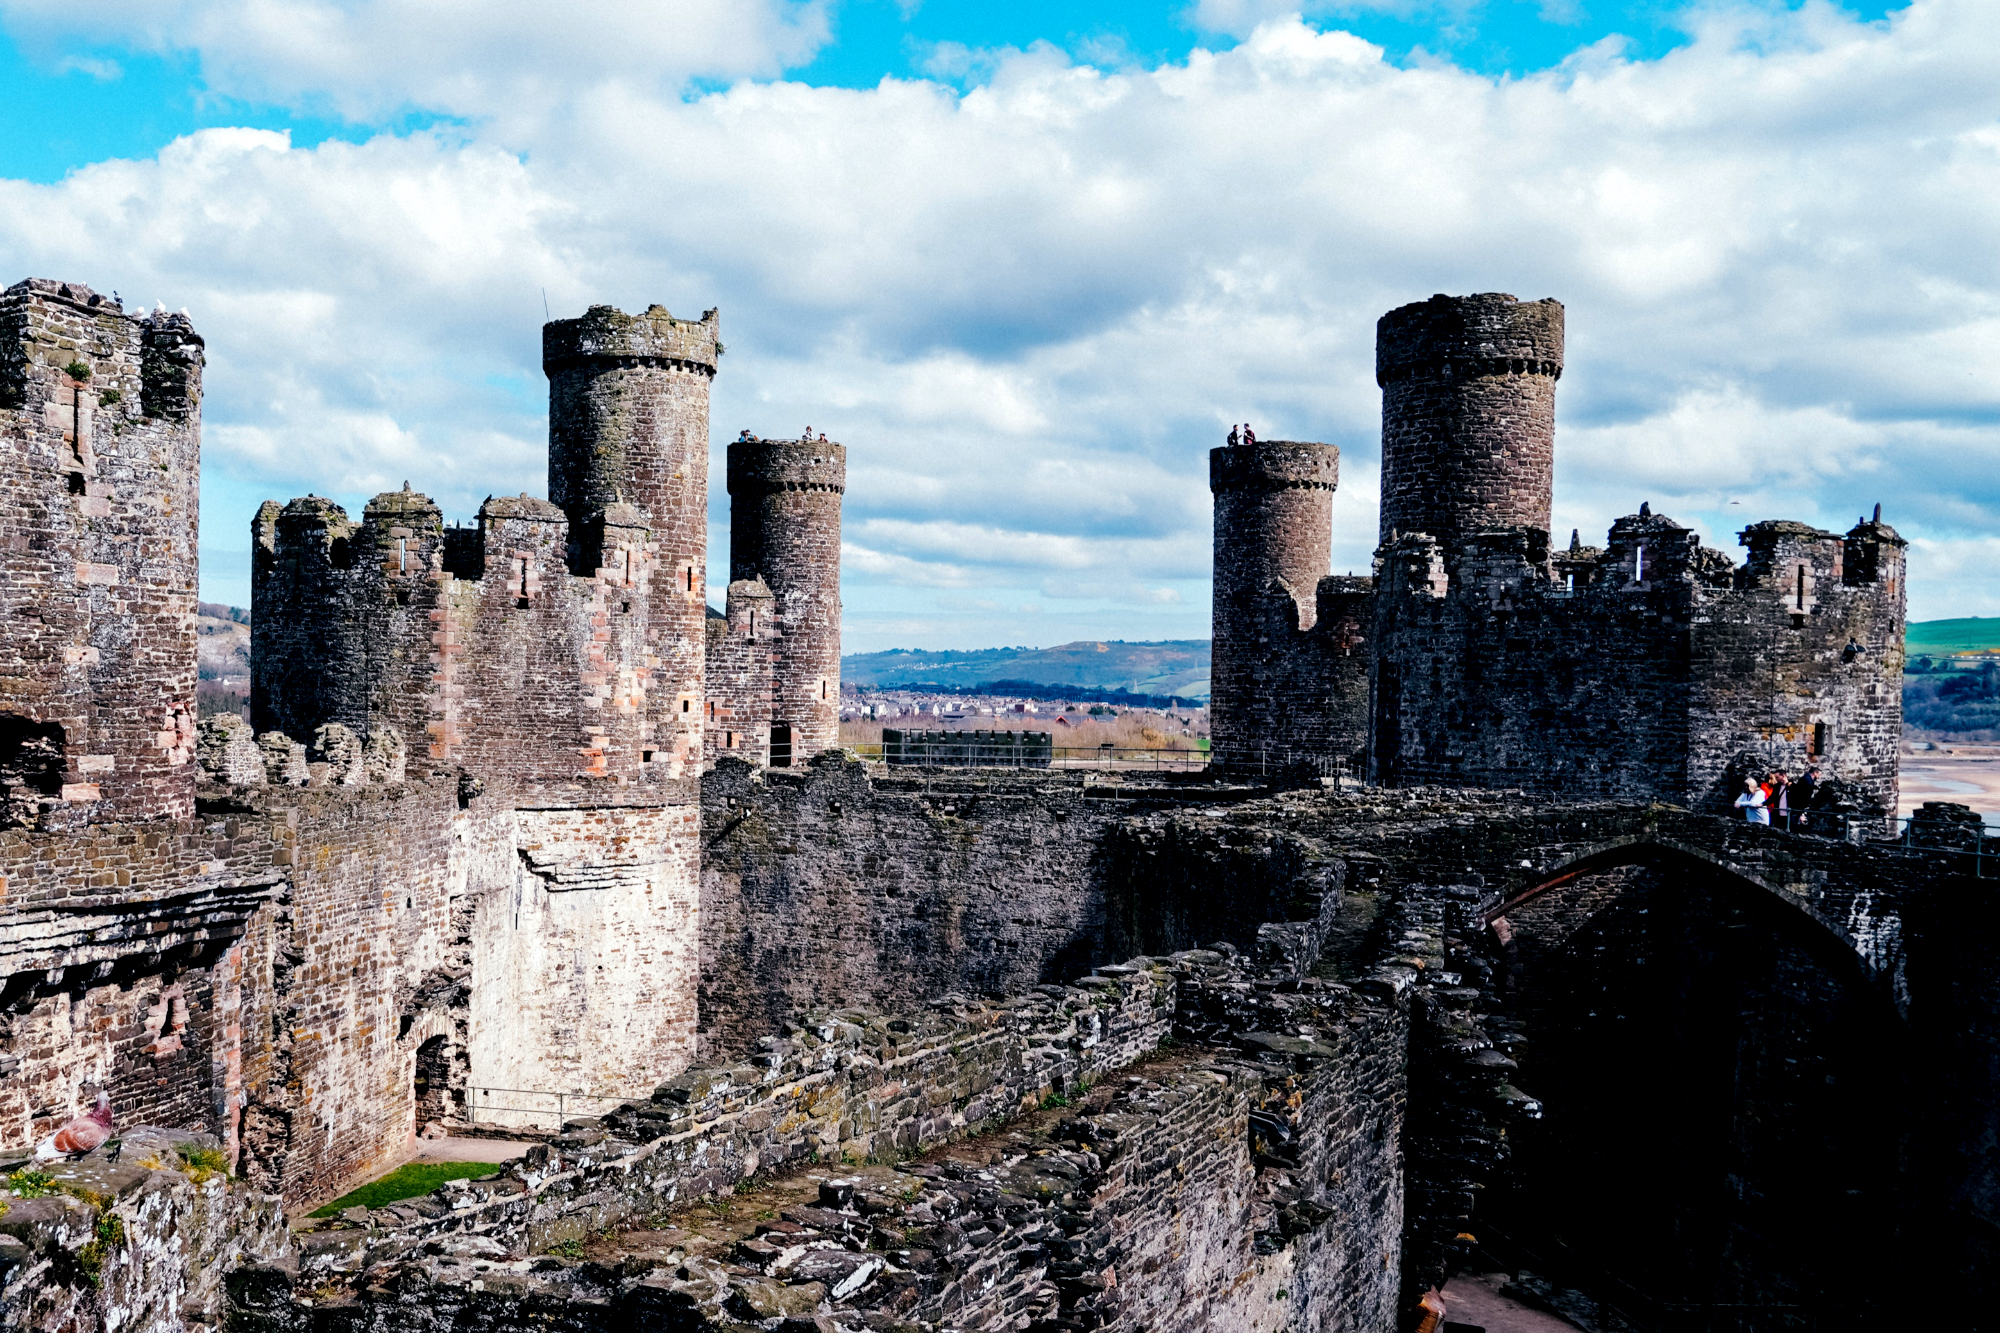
547 1105
1165 759
1909 835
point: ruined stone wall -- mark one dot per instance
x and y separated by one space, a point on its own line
1248 1176
584 967
784 528
100 429
740 680
1468 414
146 1243
830 886
367 920
1655 669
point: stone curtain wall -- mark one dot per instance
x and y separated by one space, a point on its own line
584 970
1654 669
824 886
784 528
741 676
1468 414
98 503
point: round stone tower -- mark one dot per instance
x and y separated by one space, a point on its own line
628 424
784 527
1468 414
1273 542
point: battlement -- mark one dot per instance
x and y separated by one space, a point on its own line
1272 465
1461 337
757 465
605 333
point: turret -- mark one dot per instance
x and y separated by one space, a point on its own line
628 423
784 528
1273 542
100 425
1468 414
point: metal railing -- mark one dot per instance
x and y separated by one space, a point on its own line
1906 835
558 1105
1167 759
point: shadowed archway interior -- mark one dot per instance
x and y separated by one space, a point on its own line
1725 1140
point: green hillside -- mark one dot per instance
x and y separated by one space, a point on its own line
1969 635
1175 666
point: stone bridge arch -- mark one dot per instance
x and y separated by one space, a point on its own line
1848 905
1722 1063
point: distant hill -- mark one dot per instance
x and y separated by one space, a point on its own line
1175 666
1969 635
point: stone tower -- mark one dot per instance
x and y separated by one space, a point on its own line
1468 414
784 528
1273 542
100 429
628 425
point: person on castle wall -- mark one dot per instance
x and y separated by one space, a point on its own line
1235 438
1751 802
1804 793
1249 436
1776 789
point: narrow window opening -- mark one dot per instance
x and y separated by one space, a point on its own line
1569 583
1819 738
1802 587
1639 563
781 745
403 554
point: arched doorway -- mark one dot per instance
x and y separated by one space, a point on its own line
1726 1130
434 1100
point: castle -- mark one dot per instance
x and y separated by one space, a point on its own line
1483 654
522 834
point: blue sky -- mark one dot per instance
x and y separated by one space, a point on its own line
1028 261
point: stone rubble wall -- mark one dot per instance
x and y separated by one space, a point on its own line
849 1085
834 884
1248 1180
142 1245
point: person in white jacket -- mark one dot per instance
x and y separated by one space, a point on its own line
1752 802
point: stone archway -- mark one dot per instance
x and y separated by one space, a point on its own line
434 1091
1725 1131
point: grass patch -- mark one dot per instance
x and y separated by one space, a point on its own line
410 1181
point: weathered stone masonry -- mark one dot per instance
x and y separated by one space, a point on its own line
1651 668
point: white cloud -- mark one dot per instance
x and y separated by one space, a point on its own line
1029 310
491 58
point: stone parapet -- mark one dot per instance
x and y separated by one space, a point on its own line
606 333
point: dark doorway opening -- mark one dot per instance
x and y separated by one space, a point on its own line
781 745
1725 1138
433 1084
